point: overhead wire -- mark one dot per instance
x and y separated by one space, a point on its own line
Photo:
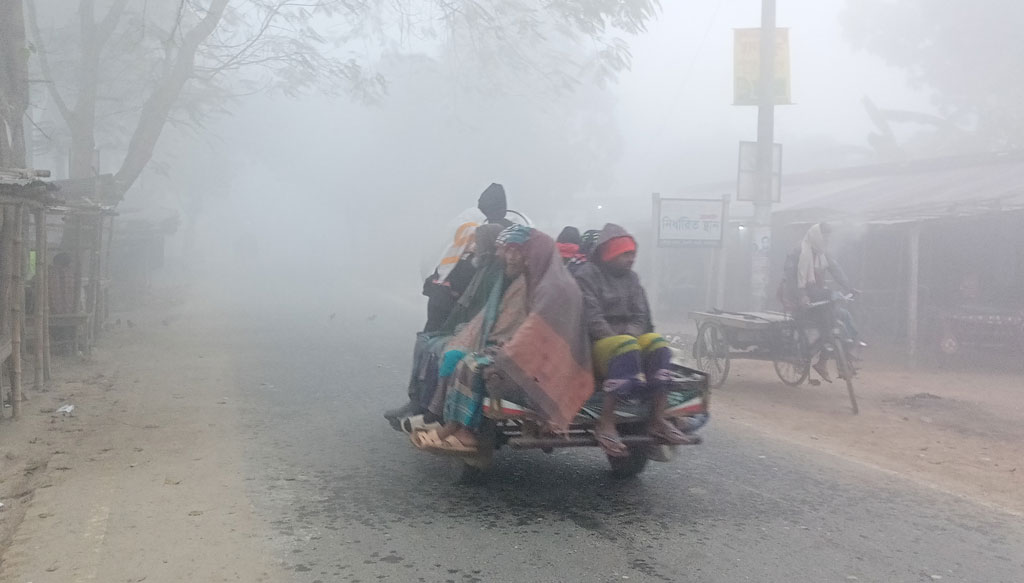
685 79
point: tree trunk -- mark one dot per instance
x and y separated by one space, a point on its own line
82 124
158 106
13 83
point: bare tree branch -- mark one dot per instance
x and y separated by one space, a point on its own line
162 100
109 23
177 21
267 22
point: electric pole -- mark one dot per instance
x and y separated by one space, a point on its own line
762 228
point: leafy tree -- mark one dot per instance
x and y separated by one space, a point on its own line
121 71
966 54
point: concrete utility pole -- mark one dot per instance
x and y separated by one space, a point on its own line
762 229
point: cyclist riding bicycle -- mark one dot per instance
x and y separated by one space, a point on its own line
804 288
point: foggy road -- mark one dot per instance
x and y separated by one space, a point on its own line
348 499
216 218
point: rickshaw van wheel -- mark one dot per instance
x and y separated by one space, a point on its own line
707 352
630 466
472 475
475 470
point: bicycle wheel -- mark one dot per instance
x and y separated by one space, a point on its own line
795 365
846 373
711 351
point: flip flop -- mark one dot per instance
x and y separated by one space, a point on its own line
611 444
671 435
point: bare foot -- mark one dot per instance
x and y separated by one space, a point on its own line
448 430
466 437
666 431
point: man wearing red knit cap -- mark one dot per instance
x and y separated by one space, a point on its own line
631 360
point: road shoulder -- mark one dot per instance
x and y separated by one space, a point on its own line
144 480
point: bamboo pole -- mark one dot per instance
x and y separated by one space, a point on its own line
96 270
6 235
76 301
17 309
41 300
45 317
106 267
2 389
6 230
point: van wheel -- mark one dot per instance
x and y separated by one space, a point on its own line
629 466
475 470
472 475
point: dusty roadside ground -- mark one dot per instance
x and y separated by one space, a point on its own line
143 482
961 431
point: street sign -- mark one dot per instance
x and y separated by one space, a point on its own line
685 222
747 183
747 66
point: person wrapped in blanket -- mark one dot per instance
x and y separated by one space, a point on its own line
421 409
632 361
455 269
528 339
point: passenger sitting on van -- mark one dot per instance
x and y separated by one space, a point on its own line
530 333
569 243
587 242
429 349
455 269
631 359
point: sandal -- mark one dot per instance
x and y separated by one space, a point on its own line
611 444
671 435
432 442
416 423
395 416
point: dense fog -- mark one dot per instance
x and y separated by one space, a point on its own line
343 145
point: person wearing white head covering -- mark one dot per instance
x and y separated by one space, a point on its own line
813 260
813 266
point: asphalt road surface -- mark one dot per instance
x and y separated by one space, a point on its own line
351 500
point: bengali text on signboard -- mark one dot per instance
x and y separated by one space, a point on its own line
690 222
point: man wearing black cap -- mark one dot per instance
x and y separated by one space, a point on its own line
452 276
493 205
455 269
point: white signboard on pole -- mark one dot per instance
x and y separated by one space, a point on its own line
687 222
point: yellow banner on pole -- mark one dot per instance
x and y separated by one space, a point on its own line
747 66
